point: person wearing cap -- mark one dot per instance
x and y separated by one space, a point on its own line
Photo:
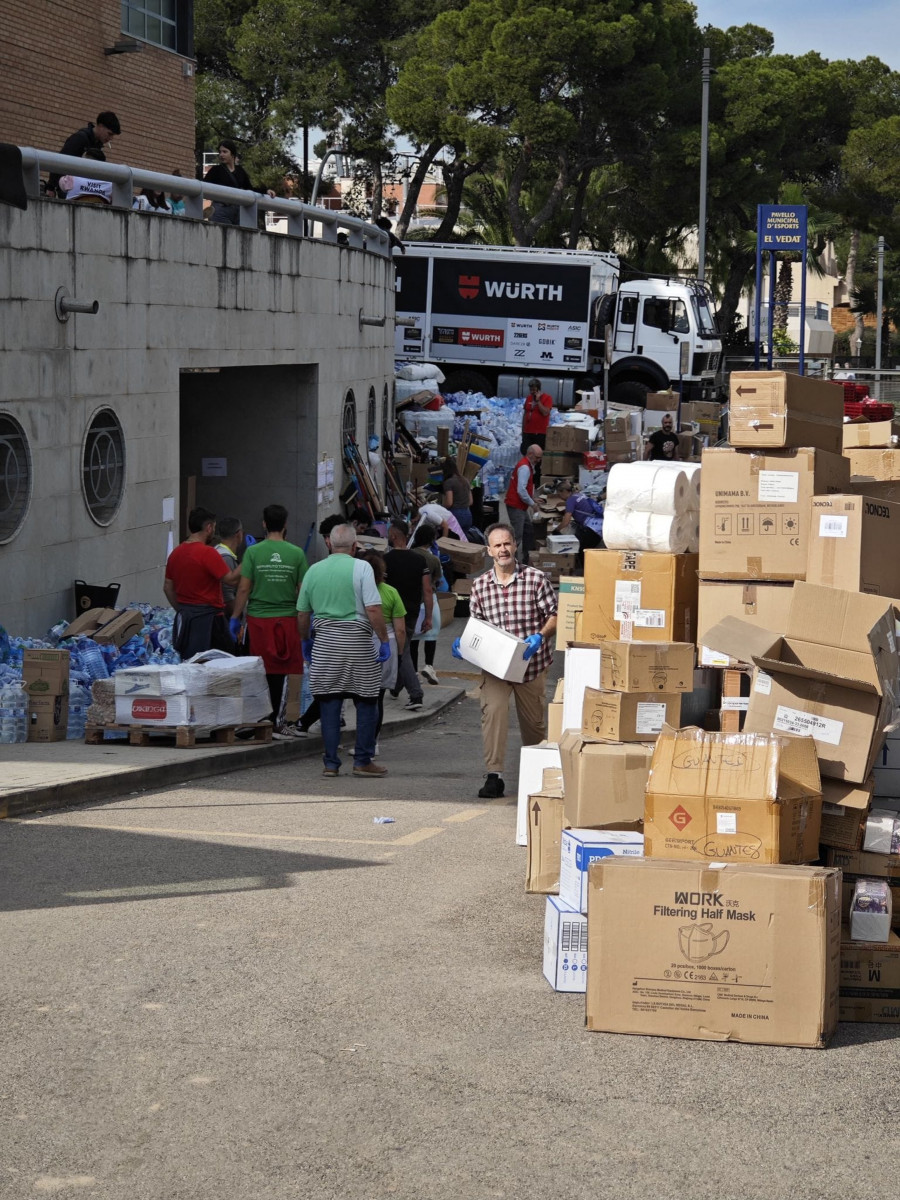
96 135
536 417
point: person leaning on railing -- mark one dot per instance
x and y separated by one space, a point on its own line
229 173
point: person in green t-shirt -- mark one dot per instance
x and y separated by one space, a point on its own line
394 612
271 573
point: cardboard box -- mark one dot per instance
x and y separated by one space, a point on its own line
647 666
567 439
580 847
603 782
763 605
832 676
562 543
120 629
565 947
778 410
881 466
705 413
583 668
555 725
854 543
628 716
46 672
571 601
48 718
447 604
465 557
726 797
493 650
179 710
624 450
735 700
554 566
659 405
88 622
737 952
639 596
562 465
866 435
754 510
870 911
870 980
621 425
843 828
546 822
860 864
534 761
165 680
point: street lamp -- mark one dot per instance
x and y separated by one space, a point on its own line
335 150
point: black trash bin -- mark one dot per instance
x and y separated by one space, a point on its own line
94 595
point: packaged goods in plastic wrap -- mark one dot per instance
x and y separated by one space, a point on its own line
210 689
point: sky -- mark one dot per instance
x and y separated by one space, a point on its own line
835 28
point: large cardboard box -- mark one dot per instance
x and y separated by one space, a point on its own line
832 676
580 847
763 605
639 596
647 666
567 439
571 601
778 410
87 623
533 762
844 809
46 672
881 466
866 435
546 822
123 626
727 797
179 710
736 952
628 716
565 947
659 405
561 464
870 980
861 864
493 650
48 718
583 668
754 510
854 543
603 782
553 565
465 557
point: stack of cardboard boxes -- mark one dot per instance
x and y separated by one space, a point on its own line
703 917
45 674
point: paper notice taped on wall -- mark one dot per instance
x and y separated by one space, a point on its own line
779 487
792 720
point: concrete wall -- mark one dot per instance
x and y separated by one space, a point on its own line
175 296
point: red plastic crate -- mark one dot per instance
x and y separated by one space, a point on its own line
872 410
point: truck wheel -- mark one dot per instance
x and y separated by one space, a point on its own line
468 381
606 309
630 391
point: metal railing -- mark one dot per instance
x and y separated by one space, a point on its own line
124 179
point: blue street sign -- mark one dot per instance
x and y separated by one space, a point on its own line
782 227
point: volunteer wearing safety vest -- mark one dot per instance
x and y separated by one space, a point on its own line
536 417
520 498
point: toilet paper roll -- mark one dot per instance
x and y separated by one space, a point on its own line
647 531
660 488
692 470
693 545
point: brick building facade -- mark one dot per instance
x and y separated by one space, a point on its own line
55 76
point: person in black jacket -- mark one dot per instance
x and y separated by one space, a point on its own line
229 173
94 136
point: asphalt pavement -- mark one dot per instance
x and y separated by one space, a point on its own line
243 987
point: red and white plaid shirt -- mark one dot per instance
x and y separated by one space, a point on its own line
521 607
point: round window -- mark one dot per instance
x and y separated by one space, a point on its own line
103 466
15 477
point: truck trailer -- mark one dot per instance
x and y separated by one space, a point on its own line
492 316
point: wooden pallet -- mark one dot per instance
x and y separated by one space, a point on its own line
185 736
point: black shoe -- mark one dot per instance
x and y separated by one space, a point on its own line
492 789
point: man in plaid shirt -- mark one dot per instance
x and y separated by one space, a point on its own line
520 600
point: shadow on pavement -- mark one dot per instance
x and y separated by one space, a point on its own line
50 866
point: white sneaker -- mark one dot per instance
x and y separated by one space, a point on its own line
286 733
429 673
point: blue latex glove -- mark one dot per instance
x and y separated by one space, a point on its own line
457 650
234 627
384 651
306 646
249 539
533 642
442 585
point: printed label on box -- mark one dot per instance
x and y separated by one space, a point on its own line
650 718
831 526
763 684
792 720
726 822
712 658
650 618
779 487
627 599
735 703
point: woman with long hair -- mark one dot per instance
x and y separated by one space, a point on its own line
229 173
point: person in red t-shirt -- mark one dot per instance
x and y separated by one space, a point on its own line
536 418
195 572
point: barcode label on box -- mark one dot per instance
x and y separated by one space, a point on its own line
792 720
763 683
712 658
650 718
834 527
627 599
650 618
779 487
735 703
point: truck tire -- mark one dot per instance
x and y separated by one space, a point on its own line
630 391
606 309
468 381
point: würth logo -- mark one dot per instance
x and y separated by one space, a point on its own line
468 286
680 817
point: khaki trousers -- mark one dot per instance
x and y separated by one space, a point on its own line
530 709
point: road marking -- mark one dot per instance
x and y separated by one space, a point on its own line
468 814
418 835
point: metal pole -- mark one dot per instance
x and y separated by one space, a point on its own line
705 74
771 335
758 296
801 366
879 318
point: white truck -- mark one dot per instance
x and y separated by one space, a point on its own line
492 316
